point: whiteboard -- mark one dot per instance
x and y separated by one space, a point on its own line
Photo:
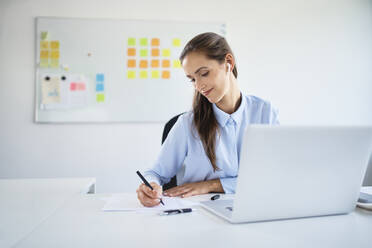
99 70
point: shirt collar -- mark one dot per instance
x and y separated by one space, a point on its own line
223 117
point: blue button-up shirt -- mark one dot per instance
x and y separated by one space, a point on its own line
183 154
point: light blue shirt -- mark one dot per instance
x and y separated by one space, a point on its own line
183 154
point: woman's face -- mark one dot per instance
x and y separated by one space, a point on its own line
208 76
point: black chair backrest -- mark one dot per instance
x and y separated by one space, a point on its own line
168 126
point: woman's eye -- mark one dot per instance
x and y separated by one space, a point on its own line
205 74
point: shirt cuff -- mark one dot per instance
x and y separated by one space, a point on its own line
228 184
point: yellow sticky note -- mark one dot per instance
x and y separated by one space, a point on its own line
177 63
155 74
166 52
44 54
44 44
54 63
54 54
143 74
100 97
143 42
44 63
44 35
176 42
131 41
54 44
131 74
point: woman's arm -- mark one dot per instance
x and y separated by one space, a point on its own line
197 188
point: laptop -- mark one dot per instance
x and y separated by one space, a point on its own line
292 172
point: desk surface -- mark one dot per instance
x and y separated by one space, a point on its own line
81 223
25 203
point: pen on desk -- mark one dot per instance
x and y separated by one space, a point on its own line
215 197
176 211
147 184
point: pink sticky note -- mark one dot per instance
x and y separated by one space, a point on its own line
81 86
73 86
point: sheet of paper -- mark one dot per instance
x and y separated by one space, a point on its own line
124 203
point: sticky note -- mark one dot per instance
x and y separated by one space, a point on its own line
143 52
100 97
143 74
54 54
165 63
100 87
177 63
155 52
81 86
44 35
44 44
73 86
44 63
155 42
166 53
143 41
155 63
155 74
131 52
131 41
131 74
100 77
143 64
176 42
54 63
131 63
165 74
44 54
54 44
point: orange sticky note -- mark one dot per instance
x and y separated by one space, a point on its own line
131 63
143 64
165 74
155 42
131 52
155 52
165 63
44 54
54 44
155 63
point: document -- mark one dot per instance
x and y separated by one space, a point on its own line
119 202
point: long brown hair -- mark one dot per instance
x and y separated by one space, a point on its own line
213 46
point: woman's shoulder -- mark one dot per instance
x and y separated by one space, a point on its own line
256 101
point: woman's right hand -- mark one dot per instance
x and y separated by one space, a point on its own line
148 197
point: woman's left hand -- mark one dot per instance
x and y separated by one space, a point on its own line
198 188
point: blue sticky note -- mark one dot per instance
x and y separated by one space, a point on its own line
100 77
100 87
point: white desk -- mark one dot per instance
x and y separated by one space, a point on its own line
26 203
81 223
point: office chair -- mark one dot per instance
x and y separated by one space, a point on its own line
168 126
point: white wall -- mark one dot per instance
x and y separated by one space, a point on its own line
311 59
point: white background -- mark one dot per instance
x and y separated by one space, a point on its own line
311 59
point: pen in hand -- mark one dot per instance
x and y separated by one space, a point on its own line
147 184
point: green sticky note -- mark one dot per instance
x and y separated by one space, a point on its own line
54 63
44 35
44 63
143 74
131 41
176 42
100 98
143 42
143 52
131 74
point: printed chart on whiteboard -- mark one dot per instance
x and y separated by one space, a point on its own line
98 70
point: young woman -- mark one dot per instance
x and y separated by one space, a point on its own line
206 142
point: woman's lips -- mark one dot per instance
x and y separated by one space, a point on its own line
207 92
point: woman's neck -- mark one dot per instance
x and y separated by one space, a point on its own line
231 101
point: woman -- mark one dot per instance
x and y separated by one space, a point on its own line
208 139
